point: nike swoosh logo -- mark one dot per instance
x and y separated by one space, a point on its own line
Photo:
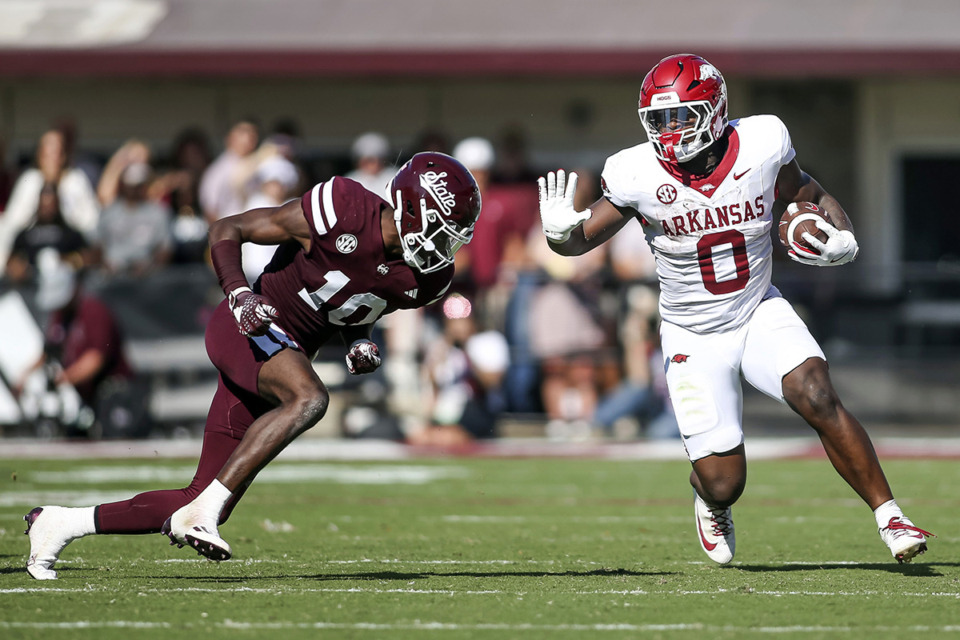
737 176
706 545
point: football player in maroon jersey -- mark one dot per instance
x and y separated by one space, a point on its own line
346 258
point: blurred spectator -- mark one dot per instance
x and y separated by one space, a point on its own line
285 140
642 394
498 247
78 203
83 160
630 256
7 176
568 331
134 232
130 152
502 273
84 349
465 370
276 179
431 139
371 153
48 231
513 164
179 187
223 186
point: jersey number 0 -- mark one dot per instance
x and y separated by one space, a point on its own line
738 245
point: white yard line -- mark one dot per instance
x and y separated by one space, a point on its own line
399 561
453 626
455 592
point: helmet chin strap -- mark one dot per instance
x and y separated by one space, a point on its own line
669 142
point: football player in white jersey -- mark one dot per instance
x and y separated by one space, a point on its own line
704 188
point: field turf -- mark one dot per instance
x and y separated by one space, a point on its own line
452 548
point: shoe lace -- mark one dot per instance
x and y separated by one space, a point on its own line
720 521
896 524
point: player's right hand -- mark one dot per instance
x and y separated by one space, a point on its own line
251 311
557 213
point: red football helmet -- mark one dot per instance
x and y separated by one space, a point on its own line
683 106
436 204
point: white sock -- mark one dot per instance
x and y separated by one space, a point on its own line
884 512
212 500
79 522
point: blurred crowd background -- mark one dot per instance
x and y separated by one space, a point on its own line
118 153
120 242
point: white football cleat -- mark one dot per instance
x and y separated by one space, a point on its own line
715 530
45 527
904 539
186 527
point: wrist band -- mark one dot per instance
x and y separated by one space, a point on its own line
226 258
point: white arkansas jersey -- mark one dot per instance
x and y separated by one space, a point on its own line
711 236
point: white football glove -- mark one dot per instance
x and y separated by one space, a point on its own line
557 214
840 248
363 357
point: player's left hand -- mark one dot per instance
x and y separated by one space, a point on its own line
840 248
363 357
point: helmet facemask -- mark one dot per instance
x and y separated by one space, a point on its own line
683 142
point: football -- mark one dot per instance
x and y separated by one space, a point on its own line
800 218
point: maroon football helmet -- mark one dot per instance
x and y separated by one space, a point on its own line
436 205
683 106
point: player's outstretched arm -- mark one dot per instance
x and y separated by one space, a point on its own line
571 232
795 185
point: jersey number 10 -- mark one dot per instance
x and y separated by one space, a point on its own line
337 280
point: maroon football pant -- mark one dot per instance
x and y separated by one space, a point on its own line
235 406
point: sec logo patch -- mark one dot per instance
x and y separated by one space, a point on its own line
347 243
666 193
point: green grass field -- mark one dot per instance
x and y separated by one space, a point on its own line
482 548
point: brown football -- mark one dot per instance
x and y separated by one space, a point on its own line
800 218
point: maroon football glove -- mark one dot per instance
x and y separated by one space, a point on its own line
363 357
251 311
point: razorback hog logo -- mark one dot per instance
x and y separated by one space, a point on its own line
708 71
436 186
680 357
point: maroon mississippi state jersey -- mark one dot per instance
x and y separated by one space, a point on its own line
346 278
